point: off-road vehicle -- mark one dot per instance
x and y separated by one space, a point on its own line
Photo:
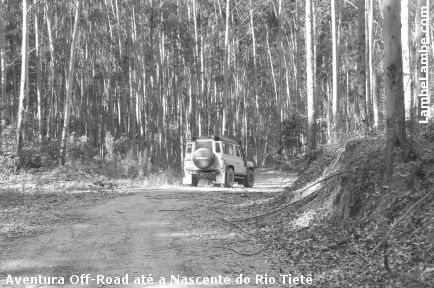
220 160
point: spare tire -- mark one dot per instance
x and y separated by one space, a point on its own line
203 158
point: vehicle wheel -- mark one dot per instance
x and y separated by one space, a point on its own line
249 179
194 181
229 178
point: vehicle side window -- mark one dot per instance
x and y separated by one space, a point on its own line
225 148
230 149
218 147
237 151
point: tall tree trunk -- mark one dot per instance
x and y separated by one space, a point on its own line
226 90
69 84
23 86
270 58
300 107
347 99
367 70
311 137
406 57
335 70
372 72
280 102
395 113
255 69
195 122
38 76
133 95
3 99
375 99
299 104
51 82
361 64
328 112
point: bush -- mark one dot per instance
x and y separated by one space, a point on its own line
79 148
122 145
8 140
173 176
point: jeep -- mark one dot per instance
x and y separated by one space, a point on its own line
217 159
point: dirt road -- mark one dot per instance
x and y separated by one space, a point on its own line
165 234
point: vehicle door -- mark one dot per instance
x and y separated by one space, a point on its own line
229 151
241 169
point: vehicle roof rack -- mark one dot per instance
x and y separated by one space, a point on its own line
215 138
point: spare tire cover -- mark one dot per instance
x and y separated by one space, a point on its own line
203 158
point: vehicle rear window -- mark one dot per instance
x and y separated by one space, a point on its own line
218 147
203 144
189 148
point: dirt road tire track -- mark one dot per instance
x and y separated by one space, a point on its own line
148 232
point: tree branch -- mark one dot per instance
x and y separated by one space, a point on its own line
395 224
292 203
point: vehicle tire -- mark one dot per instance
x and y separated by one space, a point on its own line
194 181
229 178
249 179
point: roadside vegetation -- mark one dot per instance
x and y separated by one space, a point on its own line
344 220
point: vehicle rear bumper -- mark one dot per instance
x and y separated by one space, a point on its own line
217 176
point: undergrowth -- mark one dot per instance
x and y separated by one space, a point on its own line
349 224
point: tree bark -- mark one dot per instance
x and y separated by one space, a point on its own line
69 84
395 115
361 64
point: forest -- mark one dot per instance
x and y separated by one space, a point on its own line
330 104
137 78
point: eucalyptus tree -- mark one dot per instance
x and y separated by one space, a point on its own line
335 79
23 85
395 115
361 65
69 83
311 137
2 66
406 57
